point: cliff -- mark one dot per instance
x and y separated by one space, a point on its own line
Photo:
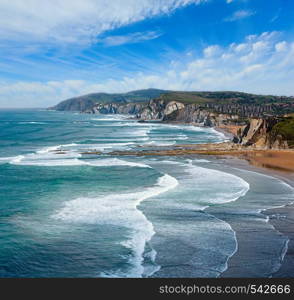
257 132
265 134
187 113
254 120
116 108
167 111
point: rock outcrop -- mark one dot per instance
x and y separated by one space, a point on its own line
174 111
257 132
116 108
260 134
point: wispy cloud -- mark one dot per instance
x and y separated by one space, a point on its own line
276 16
239 15
260 64
132 38
79 21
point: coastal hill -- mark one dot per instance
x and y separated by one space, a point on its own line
85 102
243 104
263 121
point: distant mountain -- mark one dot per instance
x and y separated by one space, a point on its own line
85 102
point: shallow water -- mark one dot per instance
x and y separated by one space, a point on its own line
65 214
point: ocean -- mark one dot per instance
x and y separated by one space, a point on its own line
67 213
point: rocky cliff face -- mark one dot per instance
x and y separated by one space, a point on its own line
160 110
116 108
187 113
260 134
254 132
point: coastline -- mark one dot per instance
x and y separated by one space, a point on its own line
221 162
281 218
276 160
278 164
275 163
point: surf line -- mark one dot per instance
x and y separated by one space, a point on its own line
121 210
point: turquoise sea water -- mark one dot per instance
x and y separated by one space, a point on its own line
68 214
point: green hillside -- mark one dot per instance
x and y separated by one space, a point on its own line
225 97
85 102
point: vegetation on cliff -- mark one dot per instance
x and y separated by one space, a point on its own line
224 97
285 128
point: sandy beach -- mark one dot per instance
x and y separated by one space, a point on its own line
280 161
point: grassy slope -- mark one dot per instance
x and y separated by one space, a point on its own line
225 97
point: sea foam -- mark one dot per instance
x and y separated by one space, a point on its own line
120 210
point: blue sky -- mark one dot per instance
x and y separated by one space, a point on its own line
51 50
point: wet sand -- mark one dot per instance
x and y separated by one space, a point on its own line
282 161
282 219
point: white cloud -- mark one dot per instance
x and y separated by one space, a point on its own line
68 21
211 51
132 38
239 15
260 64
281 46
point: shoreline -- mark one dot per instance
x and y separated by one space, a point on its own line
276 160
276 163
281 218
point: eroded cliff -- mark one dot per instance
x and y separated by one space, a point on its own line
260 132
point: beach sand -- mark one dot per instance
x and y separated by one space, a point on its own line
273 160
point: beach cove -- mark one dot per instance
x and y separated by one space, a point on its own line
106 196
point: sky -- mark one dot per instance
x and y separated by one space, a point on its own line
51 50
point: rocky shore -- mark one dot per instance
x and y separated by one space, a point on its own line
282 160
